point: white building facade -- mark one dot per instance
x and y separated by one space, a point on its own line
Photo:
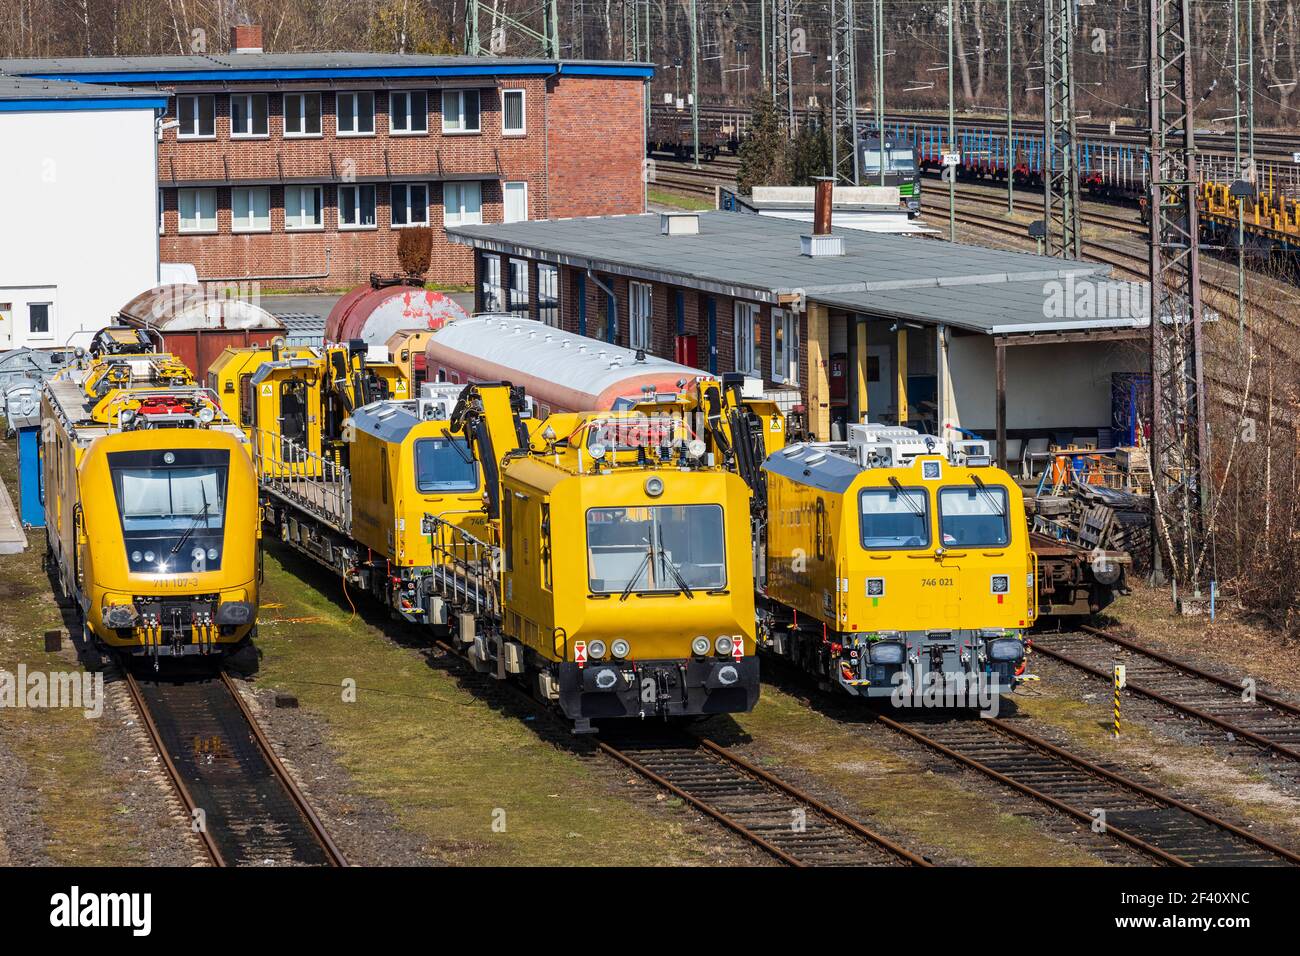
78 206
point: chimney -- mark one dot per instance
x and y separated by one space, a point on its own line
822 205
246 39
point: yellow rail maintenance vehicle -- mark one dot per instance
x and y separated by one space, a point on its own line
150 504
897 563
230 377
347 472
620 582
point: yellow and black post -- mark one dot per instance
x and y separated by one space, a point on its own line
1119 684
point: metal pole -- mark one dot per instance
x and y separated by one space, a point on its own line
695 85
1011 150
1238 172
952 133
879 39
1250 80
762 41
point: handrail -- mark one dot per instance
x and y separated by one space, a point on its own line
315 482
467 570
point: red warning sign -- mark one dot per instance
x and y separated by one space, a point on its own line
737 648
580 653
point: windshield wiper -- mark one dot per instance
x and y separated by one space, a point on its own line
631 582
916 509
988 495
194 522
673 569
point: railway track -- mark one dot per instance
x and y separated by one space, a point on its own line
780 819
784 821
1154 823
227 775
1265 722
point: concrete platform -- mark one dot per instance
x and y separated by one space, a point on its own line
13 539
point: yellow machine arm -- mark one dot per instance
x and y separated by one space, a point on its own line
489 415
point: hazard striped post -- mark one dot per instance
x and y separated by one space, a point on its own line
1119 685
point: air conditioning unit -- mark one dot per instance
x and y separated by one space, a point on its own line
891 446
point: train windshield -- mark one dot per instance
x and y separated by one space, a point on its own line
896 160
654 549
974 517
444 464
895 518
172 505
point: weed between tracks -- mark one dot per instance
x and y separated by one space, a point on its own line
446 761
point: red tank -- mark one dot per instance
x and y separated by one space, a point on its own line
375 311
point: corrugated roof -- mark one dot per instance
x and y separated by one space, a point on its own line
759 256
1042 305
20 88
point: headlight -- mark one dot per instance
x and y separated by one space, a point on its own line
887 652
1006 649
621 648
700 646
206 414
728 675
596 649
596 450
136 556
723 645
695 448
654 487
169 459
212 554
149 556
197 554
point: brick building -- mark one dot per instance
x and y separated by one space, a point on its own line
301 169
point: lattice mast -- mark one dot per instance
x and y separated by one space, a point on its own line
1060 171
844 93
1179 441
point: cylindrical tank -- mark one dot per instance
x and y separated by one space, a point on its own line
375 311
561 371
197 327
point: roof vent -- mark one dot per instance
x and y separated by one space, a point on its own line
816 246
679 224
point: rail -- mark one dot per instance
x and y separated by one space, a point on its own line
466 569
316 483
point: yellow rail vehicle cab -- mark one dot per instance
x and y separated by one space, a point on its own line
230 378
405 464
151 509
633 585
893 560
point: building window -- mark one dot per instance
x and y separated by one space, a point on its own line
491 283
38 318
248 114
410 204
462 204
250 209
640 313
357 207
548 294
302 207
302 114
516 202
519 286
747 339
785 347
513 122
408 111
198 210
355 114
162 207
197 116
460 111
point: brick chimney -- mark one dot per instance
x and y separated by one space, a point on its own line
246 38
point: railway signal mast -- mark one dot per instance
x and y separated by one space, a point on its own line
1060 172
1179 447
844 94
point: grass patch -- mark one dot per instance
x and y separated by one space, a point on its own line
891 790
446 762
664 197
77 796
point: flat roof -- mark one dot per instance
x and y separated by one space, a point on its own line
759 257
323 65
21 93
